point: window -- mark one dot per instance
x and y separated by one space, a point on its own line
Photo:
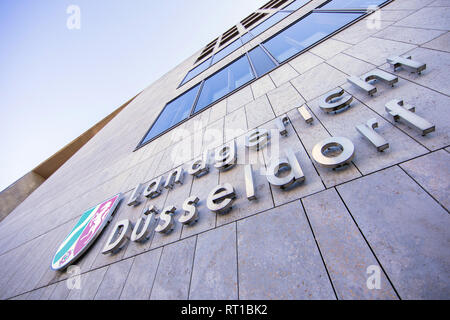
304 33
197 70
273 4
246 38
173 113
296 5
352 4
252 19
230 34
233 76
266 24
226 51
261 61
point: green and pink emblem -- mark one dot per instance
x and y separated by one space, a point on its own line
85 232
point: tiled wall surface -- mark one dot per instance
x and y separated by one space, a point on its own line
314 241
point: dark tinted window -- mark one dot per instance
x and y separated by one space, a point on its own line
261 61
306 32
223 82
173 113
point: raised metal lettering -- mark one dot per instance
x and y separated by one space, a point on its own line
141 231
199 167
345 156
277 166
118 237
257 139
221 198
281 123
190 215
249 184
167 220
335 100
134 198
406 63
305 114
362 82
176 176
154 188
225 156
368 132
396 109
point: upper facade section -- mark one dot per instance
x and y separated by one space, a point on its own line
311 28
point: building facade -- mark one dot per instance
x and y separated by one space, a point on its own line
303 154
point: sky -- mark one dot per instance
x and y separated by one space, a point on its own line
56 82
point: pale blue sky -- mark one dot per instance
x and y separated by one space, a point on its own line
55 83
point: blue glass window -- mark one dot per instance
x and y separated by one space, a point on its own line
296 4
233 76
266 24
197 70
352 4
306 32
227 50
174 112
261 61
246 37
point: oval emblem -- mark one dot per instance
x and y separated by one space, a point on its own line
85 232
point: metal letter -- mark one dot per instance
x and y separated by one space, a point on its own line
362 82
257 139
154 188
367 130
277 165
134 198
281 123
176 176
190 215
396 109
249 185
345 157
119 236
221 198
141 232
166 217
329 102
305 114
199 167
406 63
225 156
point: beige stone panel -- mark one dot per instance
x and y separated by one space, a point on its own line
284 99
318 81
329 48
262 86
305 61
258 112
376 50
283 74
238 99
